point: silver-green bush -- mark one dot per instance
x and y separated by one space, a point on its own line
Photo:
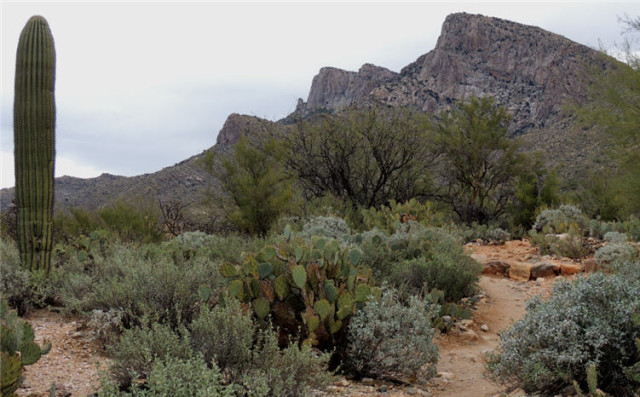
616 255
560 220
389 340
327 226
587 321
615 237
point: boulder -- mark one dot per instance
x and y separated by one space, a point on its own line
497 267
545 269
567 269
520 271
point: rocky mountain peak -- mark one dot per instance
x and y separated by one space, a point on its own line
528 70
335 88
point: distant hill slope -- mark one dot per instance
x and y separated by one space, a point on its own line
530 71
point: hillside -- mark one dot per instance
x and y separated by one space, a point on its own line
530 71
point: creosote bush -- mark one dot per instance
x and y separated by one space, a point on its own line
585 322
391 340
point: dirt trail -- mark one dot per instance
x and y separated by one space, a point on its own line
71 364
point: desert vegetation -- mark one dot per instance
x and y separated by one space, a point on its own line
342 252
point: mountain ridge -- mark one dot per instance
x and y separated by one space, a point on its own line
526 69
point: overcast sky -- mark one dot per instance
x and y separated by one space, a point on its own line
142 86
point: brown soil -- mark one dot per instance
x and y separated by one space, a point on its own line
73 361
71 365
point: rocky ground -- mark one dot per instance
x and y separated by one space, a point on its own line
75 359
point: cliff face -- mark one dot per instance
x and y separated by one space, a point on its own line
526 69
335 88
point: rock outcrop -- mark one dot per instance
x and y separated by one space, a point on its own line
530 71
336 89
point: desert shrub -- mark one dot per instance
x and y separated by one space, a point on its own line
198 246
133 222
175 377
587 321
9 223
629 227
290 372
615 237
106 326
378 254
450 271
138 283
250 359
560 220
15 286
21 289
414 255
568 245
489 233
326 226
224 335
389 340
390 218
497 235
138 348
615 255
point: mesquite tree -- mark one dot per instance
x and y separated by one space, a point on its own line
34 120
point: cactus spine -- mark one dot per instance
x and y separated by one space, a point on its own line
34 118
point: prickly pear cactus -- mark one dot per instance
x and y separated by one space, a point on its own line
314 284
18 349
34 119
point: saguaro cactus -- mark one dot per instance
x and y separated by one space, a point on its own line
34 119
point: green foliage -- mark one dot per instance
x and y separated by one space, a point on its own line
139 348
315 284
250 361
561 232
629 227
326 226
175 377
130 221
34 122
613 256
587 321
142 282
22 289
391 340
18 349
452 272
367 157
561 220
535 189
416 255
480 163
613 104
224 335
390 218
259 190
133 222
